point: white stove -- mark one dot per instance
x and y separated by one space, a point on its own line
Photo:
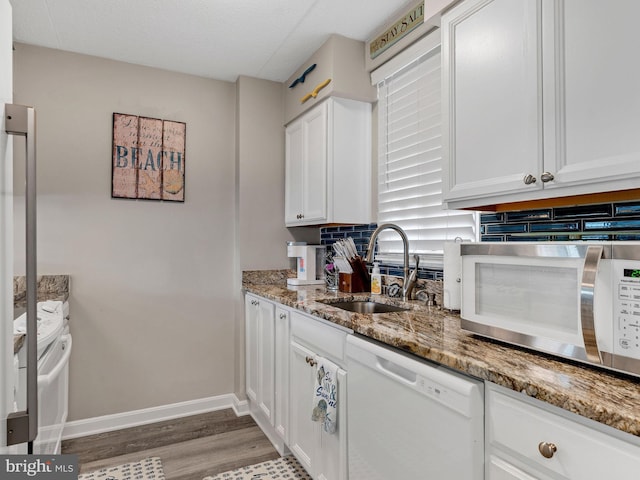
54 349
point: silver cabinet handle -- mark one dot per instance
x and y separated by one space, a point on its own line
283 316
547 177
529 179
23 426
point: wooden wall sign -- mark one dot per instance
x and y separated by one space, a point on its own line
401 27
148 158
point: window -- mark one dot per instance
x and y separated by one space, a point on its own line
410 157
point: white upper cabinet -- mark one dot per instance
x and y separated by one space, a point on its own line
492 126
540 99
592 100
306 168
328 164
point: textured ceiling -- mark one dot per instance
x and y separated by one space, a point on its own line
219 39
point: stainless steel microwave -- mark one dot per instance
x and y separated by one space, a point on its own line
577 300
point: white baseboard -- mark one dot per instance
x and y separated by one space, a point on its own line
240 407
117 421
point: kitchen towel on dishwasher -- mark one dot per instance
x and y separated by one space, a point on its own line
325 395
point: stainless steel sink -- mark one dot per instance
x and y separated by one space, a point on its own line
365 306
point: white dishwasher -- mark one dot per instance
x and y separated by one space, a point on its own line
409 419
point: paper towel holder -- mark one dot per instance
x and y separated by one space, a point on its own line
452 273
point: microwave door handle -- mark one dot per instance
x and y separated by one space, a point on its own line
587 287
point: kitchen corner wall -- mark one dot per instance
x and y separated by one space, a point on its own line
152 310
261 232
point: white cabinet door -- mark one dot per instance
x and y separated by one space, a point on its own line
252 312
315 164
592 100
260 351
294 175
266 360
302 431
324 455
306 168
282 373
492 124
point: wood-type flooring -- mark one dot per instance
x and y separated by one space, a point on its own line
191 448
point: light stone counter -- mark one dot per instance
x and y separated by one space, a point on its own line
50 287
434 334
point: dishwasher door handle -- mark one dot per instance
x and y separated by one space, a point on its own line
396 371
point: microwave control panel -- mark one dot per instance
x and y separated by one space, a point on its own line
627 312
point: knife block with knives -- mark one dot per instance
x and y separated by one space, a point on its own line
354 275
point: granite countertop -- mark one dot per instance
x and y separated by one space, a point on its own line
435 334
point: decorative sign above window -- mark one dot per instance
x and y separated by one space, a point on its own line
148 158
412 19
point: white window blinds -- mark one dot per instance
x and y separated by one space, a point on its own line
410 157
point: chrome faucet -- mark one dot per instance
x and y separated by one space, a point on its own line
409 277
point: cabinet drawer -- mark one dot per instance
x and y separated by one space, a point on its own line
325 339
518 427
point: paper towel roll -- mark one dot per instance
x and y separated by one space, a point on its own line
452 275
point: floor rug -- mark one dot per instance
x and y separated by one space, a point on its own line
283 468
147 469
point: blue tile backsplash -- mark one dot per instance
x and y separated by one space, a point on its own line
605 221
361 235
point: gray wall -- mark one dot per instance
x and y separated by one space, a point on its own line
261 234
262 237
154 284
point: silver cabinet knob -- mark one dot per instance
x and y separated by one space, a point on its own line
547 449
283 316
529 179
546 177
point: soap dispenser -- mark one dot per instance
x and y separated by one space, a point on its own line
376 279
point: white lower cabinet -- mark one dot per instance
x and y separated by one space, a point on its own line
529 439
267 363
282 347
323 455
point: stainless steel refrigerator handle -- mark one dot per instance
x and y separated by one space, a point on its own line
23 426
587 287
